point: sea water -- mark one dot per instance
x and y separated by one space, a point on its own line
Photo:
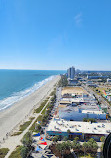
17 84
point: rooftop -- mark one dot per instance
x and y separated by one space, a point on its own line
73 90
79 127
92 111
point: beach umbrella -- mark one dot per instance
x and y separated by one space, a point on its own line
38 149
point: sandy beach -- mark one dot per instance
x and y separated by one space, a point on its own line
12 116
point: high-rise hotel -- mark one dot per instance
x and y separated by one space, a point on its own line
71 72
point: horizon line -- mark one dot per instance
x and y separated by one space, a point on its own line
52 69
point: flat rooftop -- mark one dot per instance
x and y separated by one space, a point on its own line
92 111
79 127
73 90
70 100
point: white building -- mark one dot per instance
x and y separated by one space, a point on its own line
84 130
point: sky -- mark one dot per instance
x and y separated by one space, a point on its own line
55 34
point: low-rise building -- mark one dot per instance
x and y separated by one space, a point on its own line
84 130
78 114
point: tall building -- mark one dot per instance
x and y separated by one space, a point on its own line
71 72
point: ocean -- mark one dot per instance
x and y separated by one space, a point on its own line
17 84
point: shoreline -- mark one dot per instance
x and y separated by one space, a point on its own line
11 117
21 97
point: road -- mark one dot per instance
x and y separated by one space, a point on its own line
99 97
58 96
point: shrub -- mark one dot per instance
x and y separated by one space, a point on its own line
27 140
3 152
41 106
25 125
16 133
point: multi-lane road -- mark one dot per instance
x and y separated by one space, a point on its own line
99 97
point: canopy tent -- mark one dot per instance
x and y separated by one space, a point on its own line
44 143
41 138
36 138
39 142
38 149
36 135
43 146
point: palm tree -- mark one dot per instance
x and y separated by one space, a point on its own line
85 147
74 144
61 148
95 146
68 131
55 138
76 139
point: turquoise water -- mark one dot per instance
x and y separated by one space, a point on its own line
17 84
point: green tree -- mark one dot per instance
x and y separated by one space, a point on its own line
24 152
68 145
68 131
91 140
65 138
74 143
63 81
61 148
39 127
95 146
27 140
85 147
76 139
92 144
55 138
84 119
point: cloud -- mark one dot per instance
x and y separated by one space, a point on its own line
78 19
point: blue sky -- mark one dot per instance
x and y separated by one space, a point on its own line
55 34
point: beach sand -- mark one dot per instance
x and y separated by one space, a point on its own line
14 115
